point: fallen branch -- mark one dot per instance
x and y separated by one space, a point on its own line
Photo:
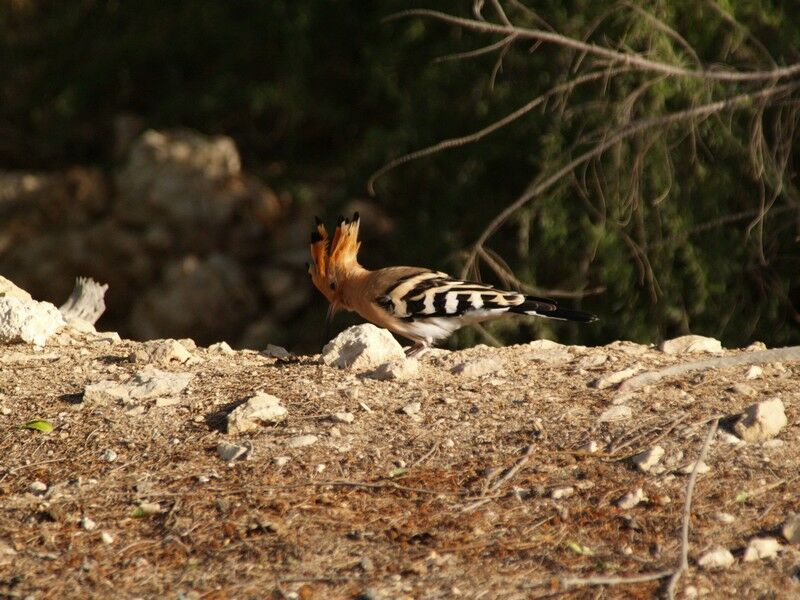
600 580
687 513
86 301
787 354
510 472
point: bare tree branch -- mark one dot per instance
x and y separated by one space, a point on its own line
622 58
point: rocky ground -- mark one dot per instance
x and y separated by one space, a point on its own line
530 471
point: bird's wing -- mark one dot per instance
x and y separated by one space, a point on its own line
414 294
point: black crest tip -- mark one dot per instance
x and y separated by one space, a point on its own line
316 236
317 221
356 217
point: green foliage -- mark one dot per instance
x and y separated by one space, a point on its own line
329 91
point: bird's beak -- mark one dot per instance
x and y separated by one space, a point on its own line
332 308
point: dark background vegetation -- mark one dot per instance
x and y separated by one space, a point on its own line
319 94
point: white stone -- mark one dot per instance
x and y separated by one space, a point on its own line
649 458
754 372
761 421
109 455
10 290
560 493
343 417
256 411
590 447
761 548
412 408
398 370
723 517
229 452
301 441
281 461
37 487
791 528
611 379
153 383
112 337
105 391
81 325
689 468
362 347
88 524
27 320
719 558
106 538
743 389
164 352
222 348
477 368
631 499
548 352
616 413
592 360
691 344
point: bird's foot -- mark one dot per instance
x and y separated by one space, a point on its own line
417 349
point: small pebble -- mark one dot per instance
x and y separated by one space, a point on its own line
108 455
412 408
719 558
791 528
343 417
88 524
107 538
281 461
616 413
301 441
701 468
37 487
230 452
754 372
203 479
560 493
631 499
761 548
723 517
590 447
649 458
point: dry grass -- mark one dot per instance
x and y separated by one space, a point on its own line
340 518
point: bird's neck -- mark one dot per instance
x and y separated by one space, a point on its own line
353 282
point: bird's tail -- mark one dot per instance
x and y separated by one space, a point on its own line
548 309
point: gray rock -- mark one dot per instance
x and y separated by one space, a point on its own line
106 391
362 347
343 417
222 348
278 352
761 421
154 383
108 455
754 372
255 412
164 352
412 408
230 452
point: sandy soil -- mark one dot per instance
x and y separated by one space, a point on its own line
398 503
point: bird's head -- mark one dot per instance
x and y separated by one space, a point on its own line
330 265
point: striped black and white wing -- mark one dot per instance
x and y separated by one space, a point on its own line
426 295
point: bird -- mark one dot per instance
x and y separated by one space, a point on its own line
421 305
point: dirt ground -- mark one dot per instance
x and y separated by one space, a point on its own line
488 489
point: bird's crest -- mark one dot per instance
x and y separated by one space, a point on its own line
329 262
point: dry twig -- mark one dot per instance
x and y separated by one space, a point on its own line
687 512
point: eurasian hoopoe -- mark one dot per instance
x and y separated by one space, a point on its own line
419 304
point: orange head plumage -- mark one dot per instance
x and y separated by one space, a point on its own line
330 265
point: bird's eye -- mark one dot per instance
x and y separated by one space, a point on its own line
333 285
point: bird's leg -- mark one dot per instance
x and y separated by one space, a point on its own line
416 350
